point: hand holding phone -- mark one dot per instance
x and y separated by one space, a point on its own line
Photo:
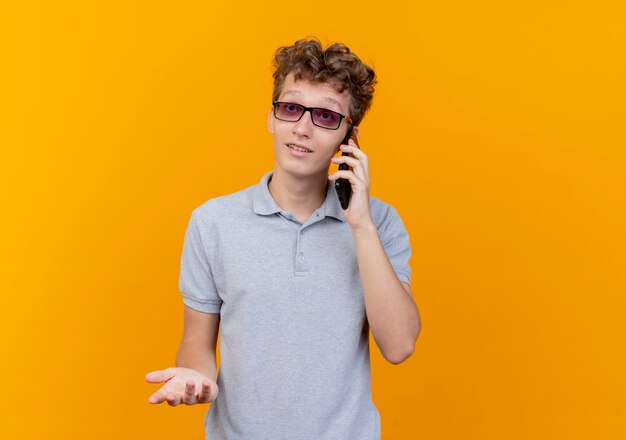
342 186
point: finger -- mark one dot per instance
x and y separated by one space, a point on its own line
190 393
205 392
346 159
173 399
353 149
351 143
359 154
355 182
158 397
357 166
159 376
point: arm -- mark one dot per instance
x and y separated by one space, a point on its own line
194 379
198 346
391 311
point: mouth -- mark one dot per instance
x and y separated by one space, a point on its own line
298 148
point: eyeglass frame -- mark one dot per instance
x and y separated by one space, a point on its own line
310 110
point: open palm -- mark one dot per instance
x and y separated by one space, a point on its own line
182 385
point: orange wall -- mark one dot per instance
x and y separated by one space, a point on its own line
497 132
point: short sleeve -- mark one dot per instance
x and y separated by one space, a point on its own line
395 241
196 277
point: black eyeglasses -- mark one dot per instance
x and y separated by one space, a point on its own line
322 117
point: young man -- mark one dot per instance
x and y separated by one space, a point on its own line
292 281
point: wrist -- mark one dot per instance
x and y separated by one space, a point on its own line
364 229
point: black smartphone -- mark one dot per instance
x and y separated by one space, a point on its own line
342 186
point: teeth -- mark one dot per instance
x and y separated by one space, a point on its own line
297 148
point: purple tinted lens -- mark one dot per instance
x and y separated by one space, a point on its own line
326 118
289 112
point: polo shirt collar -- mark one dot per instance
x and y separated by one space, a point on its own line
264 204
332 206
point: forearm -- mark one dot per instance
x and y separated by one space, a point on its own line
197 357
391 311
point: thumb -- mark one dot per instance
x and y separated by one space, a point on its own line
159 376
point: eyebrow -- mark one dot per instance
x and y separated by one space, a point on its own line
326 99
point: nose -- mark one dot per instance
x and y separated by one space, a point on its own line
304 126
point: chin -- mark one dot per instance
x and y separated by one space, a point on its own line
301 171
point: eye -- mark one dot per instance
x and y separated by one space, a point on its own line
327 118
292 108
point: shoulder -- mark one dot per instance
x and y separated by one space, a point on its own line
393 236
225 208
383 213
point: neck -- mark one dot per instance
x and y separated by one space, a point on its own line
299 195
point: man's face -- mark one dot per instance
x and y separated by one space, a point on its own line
320 144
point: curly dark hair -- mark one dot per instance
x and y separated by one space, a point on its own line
336 65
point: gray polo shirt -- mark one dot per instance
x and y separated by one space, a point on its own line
294 342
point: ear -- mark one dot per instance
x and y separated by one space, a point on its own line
355 130
270 121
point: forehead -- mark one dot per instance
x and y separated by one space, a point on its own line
314 94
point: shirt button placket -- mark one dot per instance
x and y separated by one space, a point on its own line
301 267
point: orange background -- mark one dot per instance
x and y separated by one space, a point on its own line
497 131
